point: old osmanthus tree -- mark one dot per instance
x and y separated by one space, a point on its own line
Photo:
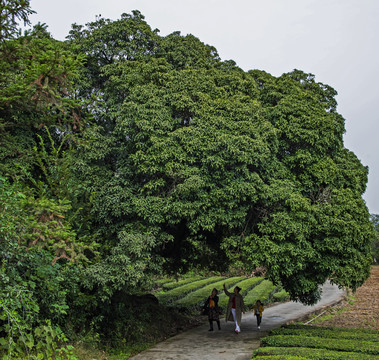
195 163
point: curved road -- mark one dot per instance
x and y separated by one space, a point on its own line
201 344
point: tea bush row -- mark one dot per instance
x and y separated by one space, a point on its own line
365 347
176 283
331 333
200 295
280 296
262 292
174 294
245 286
308 353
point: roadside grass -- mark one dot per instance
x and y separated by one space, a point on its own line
260 292
310 342
174 294
197 297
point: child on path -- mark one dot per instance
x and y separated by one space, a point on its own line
258 310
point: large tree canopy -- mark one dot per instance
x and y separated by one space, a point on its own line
223 167
125 154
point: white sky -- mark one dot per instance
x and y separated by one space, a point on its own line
336 40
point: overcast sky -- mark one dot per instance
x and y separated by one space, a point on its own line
336 40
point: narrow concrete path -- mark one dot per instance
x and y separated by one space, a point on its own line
201 344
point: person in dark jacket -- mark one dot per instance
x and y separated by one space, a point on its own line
211 306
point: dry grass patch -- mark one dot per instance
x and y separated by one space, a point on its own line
362 312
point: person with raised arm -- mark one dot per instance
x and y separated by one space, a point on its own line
235 307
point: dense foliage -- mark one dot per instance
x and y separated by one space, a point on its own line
125 154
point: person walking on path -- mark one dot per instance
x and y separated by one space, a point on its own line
211 306
258 310
235 308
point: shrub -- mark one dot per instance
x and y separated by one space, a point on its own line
132 319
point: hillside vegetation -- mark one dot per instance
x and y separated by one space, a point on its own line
191 292
126 156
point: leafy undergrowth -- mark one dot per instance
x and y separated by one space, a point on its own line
139 329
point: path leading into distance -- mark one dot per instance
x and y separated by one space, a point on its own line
201 344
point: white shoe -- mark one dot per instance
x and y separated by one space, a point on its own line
259 327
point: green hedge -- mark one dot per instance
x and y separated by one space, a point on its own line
365 347
174 294
199 296
309 353
281 296
309 328
262 292
280 357
331 333
245 285
161 282
176 283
